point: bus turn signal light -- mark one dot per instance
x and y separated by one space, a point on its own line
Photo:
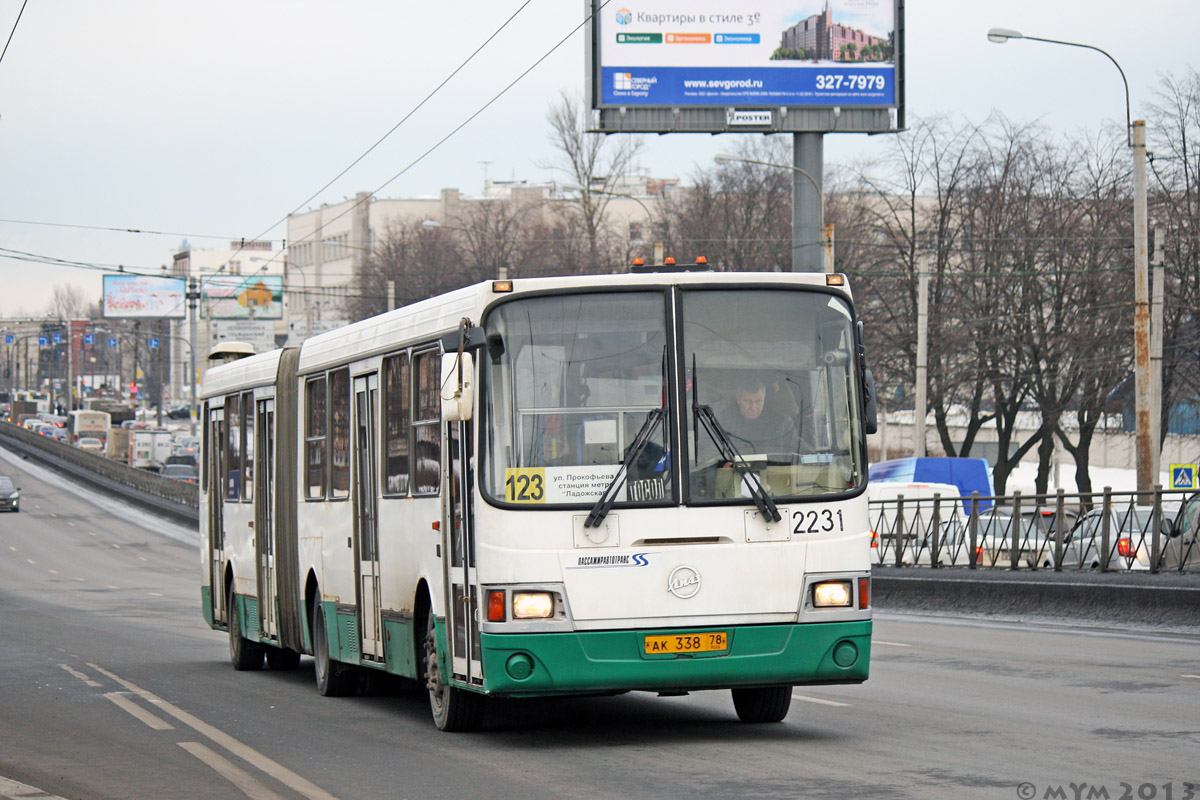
864 592
495 606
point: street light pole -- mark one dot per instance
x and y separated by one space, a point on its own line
797 244
1147 414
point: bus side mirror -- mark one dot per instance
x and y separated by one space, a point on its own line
870 410
458 386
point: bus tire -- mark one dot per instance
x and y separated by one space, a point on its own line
243 653
762 704
453 709
282 659
333 679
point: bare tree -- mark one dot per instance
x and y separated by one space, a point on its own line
69 302
594 163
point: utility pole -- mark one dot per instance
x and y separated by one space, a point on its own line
1141 315
193 296
920 408
1156 356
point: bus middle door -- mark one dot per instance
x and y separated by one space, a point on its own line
216 516
462 601
366 510
264 516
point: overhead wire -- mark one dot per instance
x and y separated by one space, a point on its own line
13 31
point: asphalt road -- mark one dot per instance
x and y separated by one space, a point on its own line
113 687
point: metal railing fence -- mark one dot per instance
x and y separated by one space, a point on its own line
1104 531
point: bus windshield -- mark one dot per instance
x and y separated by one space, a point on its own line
577 385
572 381
771 391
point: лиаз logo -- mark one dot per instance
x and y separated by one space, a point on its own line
624 16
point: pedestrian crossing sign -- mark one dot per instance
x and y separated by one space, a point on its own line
1183 476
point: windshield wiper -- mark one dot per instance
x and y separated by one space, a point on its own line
729 453
600 509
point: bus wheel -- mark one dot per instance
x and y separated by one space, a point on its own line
245 654
282 659
453 709
764 704
333 679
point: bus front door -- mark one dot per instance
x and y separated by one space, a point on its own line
264 516
216 516
366 507
462 601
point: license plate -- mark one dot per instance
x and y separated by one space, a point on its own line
709 642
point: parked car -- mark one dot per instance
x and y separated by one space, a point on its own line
996 538
179 472
10 495
90 444
1181 550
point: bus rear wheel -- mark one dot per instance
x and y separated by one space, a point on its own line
243 653
333 679
453 709
762 704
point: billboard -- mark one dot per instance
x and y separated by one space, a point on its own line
238 297
761 64
144 297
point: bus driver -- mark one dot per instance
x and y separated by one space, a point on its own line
752 426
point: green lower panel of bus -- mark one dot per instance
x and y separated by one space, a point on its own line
565 663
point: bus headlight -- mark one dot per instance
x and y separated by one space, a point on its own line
532 605
832 593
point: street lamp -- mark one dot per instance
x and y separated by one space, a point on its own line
1148 401
501 269
826 234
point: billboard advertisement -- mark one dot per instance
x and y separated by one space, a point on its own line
144 297
763 53
238 297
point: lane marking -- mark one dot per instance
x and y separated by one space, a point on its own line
132 708
250 786
31 561
11 788
242 751
819 700
1197 677
890 644
81 675
10 547
115 546
53 572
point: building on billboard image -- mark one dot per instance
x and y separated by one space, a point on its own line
820 38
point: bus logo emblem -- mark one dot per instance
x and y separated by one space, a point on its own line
684 582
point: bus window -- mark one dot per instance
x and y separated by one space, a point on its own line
314 438
248 447
339 433
396 425
233 461
427 421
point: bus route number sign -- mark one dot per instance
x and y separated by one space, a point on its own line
527 485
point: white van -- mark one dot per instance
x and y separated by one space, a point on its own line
919 502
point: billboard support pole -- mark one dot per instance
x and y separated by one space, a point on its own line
808 156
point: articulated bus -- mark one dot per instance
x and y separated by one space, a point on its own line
533 488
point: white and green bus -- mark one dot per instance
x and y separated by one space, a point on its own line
538 487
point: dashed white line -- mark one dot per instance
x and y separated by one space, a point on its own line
136 711
81 675
250 786
245 752
11 788
818 700
1197 677
890 644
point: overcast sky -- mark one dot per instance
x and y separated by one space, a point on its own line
211 121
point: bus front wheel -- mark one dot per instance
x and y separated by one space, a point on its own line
453 709
762 704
